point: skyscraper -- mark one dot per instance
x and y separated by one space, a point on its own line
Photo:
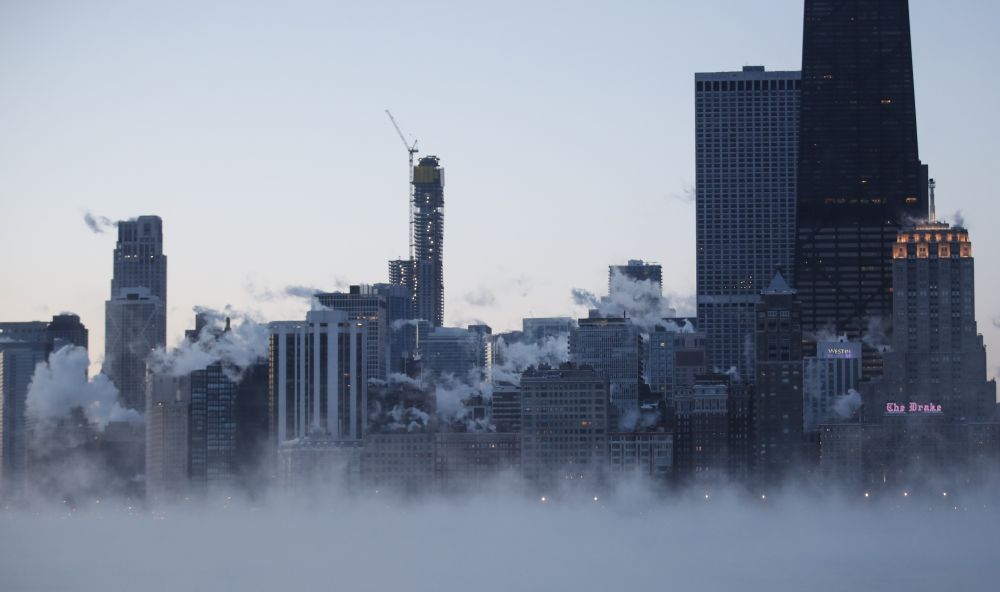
136 312
139 261
428 240
466 354
860 178
66 329
365 304
212 428
17 367
746 150
134 327
423 272
22 346
318 380
167 441
938 358
777 408
613 348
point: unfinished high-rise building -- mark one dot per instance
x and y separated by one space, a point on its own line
423 272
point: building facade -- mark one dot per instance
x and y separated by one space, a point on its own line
134 323
136 312
366 304
466 354
167 438
827 377
318 377
423 272
613 347
778 413
647 454
938 357
746 154
636 270
505 408
17 367
564 425
674 357
701 430
860 178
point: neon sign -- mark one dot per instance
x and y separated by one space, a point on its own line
893 408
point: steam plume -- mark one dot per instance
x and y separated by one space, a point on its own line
245 343
97 224
61 385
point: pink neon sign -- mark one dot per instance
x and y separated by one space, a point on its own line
893 408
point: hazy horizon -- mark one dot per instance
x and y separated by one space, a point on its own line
495 541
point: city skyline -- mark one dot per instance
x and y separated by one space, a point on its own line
205 190
788 349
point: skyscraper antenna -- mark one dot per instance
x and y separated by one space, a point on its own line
932 210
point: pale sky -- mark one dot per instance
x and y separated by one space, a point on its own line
256 130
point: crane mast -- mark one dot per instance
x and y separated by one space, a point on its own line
411 149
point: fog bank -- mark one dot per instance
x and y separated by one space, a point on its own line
503 543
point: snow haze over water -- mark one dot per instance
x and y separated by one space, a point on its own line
503 543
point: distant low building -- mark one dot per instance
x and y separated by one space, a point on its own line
646 454
564 425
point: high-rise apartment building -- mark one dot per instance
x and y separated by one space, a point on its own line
777 408
746 150
318 378
860 178
428 240
423 272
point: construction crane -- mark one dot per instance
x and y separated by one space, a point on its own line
411 149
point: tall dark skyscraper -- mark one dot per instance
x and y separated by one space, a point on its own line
136 312
860 178
423 273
